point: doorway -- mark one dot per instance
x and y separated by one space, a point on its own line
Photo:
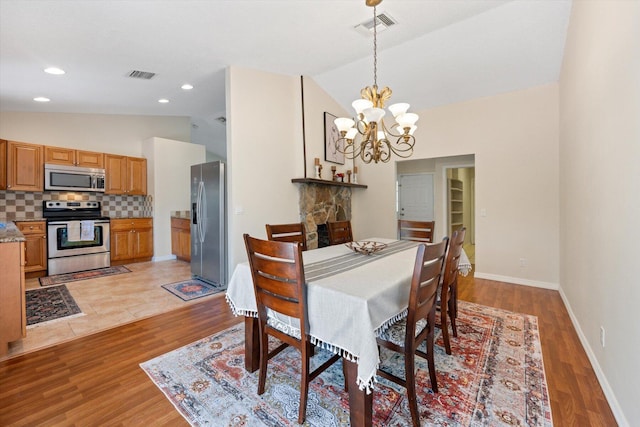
459 203
460 167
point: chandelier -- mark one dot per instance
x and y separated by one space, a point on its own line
368 137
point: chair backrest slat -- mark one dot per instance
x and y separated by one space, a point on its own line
288 233
419 231
339 232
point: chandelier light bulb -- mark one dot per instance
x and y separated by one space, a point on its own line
407 120
399 108
373 114
351 134
344 124
360 105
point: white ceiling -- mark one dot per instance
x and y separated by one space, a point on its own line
440 51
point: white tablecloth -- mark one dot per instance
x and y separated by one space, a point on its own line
347 306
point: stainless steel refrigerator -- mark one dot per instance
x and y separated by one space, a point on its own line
208 223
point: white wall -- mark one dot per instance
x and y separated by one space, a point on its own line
265 149
514 138
599 192
107 133
169 175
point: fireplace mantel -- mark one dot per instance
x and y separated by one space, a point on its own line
326 182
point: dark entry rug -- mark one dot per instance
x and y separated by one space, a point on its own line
47 304
57 279
192 289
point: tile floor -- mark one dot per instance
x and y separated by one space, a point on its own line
110 301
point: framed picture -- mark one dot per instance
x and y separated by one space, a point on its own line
331 136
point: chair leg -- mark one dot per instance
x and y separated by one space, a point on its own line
304 383
453 313
445 330
264 358
430 357
410 384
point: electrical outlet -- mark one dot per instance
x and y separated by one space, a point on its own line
602 336
523 262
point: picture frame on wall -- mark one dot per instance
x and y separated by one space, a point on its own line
331 136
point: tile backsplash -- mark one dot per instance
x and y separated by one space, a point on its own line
28 205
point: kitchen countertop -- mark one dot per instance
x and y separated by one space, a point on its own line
9 233
181 214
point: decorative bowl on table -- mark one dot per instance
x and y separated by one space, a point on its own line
366 247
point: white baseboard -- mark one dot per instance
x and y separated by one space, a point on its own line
602 379
517 280
163 258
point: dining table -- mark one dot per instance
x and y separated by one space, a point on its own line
351 298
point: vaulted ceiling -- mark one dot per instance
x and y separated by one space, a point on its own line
438 51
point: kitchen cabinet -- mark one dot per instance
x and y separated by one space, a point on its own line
25 166
3 164
131 240
181 238
71 157
13 312
35 248
125 175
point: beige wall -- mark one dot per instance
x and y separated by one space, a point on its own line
599 192
514 138
265 149
169 172
107 133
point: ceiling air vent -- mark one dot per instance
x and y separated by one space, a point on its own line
384 21
145 75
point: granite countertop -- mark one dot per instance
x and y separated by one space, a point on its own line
9 233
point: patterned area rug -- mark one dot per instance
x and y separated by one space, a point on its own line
192 289
51 303
494 377
83 275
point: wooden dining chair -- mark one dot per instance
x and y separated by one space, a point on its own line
448 304
288 233
339 232
278 283
419 231
406 335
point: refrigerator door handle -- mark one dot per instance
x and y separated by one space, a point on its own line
203 216
200 211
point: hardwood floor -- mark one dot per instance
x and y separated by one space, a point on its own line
96 380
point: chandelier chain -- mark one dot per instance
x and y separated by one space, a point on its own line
375 48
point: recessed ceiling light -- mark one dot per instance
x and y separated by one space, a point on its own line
186 86
41 99
163 101
54 70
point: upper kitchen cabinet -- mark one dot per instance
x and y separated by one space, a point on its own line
3 164
125 175
71 157
25 166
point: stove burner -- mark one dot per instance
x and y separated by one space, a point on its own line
59 210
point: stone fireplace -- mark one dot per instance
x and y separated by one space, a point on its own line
320 203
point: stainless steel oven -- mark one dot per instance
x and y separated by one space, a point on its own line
78 237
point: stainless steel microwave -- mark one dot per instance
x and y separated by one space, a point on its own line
73 178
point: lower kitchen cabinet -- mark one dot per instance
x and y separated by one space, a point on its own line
13 312
35 249
131 240
181 238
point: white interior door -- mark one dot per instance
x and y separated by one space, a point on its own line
415 197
